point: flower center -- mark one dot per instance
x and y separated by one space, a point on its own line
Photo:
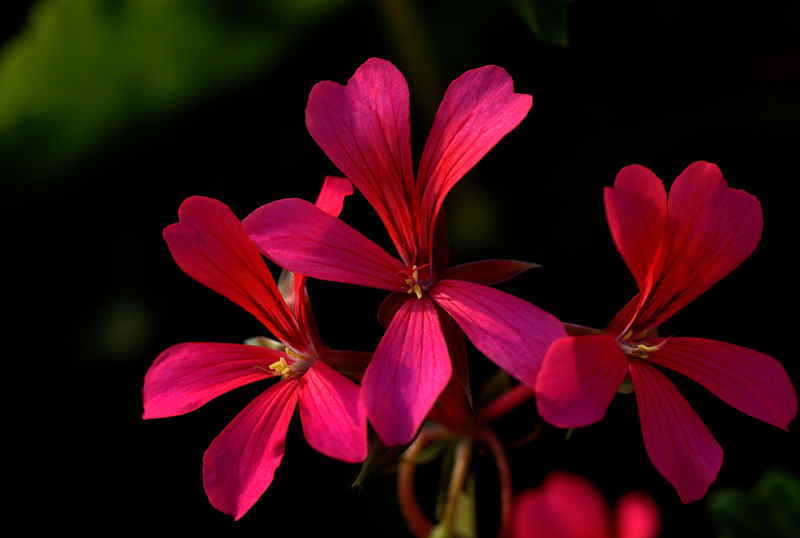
413 281
296 365
634 345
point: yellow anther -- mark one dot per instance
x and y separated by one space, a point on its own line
418 290
280 366
295 355
415 274
627 334
641 334
647 349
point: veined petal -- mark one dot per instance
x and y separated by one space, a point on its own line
487 272
712 229
579 377
625 317
478 109
636 516
331 197
636 210
306 240
678 443
752 382
364 129
186 376
210 245
240 463
333 416
566 506
511 332
408 371
331 200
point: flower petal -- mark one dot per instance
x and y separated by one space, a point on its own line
712 229
636 516
408 371
566 506
333 416
210 245
487 272
579 377
636 210
678 443
331 200
306 240
331 197
186 376
364 129
478 109
752 382
240 463
511 332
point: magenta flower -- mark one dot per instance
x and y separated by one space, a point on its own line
569 506
676 248
364 128
210 245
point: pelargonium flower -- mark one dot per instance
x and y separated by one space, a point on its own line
676 248
364 128
211 246
569 506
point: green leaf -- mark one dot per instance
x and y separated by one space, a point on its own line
82 71
771 508
547 19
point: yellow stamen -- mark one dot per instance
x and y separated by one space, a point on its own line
295 355
418 290
641 335
647 349
627 334
280 366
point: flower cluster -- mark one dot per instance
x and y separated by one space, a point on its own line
675 246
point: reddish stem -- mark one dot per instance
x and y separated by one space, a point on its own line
503 404
488 437
417 522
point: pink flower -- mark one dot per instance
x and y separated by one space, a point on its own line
364 128
569 506
211 246
676 248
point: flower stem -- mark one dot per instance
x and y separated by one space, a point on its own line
459 476
488 437
416 520
503 404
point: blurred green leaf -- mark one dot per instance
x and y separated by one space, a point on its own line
771 508
547 19
80 72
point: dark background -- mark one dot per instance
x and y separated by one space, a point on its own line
95 294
